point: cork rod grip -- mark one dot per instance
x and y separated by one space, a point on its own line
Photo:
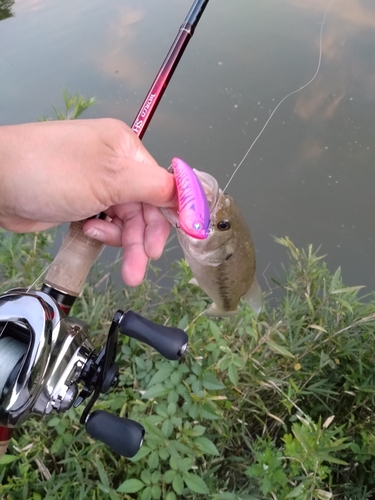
3 447
73 262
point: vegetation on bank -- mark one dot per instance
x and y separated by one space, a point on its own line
275 407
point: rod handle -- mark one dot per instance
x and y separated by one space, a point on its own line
72 264
3 447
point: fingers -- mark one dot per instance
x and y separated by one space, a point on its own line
109 233
135 258
141 230
157 231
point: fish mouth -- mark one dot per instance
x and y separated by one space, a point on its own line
212 192
211 188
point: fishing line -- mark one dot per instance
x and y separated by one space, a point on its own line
286 97
61 251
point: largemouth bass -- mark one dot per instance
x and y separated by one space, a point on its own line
223 264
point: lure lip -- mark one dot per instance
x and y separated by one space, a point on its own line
193 207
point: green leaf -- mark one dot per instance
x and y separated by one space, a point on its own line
8 459
299 435
176 377
170 496
233 375
167 427
155 492
210 382
335 279
153 460
348 289
147 493
130 486
184 322
169 475
173 397
156 391
146 476
326 457
54 422
233 496
197 430
178 484
172 408
113 495
345 304
206 445
279 349
299 491
215 330
102 474
155 476
143 452
208 412
196 483
162 374
163 453
140 362
57 445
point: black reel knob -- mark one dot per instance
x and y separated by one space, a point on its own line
122 435
169 341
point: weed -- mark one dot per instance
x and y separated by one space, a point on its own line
279 406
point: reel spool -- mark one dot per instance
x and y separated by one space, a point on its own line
11 354
47 363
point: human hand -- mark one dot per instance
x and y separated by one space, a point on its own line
62 171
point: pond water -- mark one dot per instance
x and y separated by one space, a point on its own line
311 174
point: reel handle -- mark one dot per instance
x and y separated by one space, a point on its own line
170 342
122 435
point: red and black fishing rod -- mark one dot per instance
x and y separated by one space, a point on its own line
68 272
168 67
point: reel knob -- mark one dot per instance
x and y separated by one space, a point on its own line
122 435
170 342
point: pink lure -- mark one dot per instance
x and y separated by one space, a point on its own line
193 209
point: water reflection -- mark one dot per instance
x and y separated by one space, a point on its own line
310 176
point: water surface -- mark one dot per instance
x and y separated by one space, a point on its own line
310 176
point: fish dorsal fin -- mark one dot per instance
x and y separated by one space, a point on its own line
254 297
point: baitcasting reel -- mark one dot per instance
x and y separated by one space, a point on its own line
47 363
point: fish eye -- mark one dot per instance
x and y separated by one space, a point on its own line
223 225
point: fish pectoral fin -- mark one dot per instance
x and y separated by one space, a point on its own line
194 281
254 297
215 311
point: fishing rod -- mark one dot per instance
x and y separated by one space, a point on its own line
46 355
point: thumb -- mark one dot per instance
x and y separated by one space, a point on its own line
141 182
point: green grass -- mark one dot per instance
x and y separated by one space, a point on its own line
275 407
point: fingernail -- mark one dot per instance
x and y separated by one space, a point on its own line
94 233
